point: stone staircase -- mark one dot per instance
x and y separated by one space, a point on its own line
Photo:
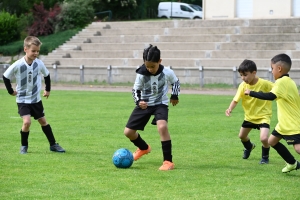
214 46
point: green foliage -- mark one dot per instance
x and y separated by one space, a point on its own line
206 151
75 14
25 21
9 30
22 7
50 43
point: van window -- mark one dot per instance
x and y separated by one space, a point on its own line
184 8
196 7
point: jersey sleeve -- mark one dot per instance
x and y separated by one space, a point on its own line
137 87
10 71
174 81
278 91
44 69
239 92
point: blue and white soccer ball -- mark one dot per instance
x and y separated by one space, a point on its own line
122 158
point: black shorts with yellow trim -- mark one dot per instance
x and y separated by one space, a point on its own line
290 139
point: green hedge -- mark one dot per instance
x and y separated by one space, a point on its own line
9 30
50 43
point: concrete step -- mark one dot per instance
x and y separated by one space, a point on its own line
249 54
183 46
191 38
91 32
174 62
198 23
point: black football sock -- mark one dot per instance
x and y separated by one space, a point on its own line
140 143
49 134
24 138
265 152
167 150
247 145
284 153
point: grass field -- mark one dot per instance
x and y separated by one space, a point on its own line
206 150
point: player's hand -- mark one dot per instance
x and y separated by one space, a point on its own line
143 105
14 93
46 94
174 102
247 92
227 112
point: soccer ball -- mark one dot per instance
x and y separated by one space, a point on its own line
122 158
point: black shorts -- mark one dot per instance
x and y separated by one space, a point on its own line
35 110
139 117
247 124
290 139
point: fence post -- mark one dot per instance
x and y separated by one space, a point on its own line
201 75
271 78
55 72
109 78
235 84
4 67
81 74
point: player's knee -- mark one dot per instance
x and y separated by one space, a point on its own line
264 140
242 137
26 124
129 133
297 148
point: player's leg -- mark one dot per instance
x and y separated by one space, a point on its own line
161 116
25 133
297 148
137 121
264 135
296 143
24 111
291 163
50 136
248 146
166 145
38 114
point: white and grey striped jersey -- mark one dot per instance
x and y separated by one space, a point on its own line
28 79
153 89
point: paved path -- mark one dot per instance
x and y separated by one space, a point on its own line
128 89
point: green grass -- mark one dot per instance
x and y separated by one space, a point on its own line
89 125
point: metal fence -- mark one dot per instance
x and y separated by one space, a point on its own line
192 75
114 74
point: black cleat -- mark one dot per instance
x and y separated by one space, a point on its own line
247 152
57 148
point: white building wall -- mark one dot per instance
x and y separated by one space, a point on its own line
231 9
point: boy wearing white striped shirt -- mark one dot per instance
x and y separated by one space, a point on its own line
150 96
27 71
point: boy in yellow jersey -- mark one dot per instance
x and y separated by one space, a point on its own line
257 112
288 110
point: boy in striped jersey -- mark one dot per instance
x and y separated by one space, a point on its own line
150 96
28 72
286 94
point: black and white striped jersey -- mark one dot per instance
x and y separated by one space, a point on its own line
153 89
28 79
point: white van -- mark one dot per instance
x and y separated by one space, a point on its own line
179 10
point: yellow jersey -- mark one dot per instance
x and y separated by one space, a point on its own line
288 106
256 111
